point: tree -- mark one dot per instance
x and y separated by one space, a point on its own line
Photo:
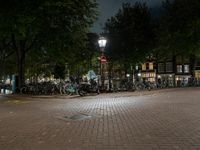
130 34
179 28
54 29
92 48
59 71
5 53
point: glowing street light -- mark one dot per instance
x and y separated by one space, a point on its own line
102 44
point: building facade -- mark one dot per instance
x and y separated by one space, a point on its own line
175 71
148 71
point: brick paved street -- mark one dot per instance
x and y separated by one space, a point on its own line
155 120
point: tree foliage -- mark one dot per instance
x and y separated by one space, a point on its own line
59 71
130 34
45 30
179 28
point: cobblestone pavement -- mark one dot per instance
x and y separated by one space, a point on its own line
156 120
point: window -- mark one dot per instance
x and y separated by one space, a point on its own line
186 69
169 67
197 63
179 68
136 67
152 75
197 74
160 67
143 66
169 58
150 66
145 75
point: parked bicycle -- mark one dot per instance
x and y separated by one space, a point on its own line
88 87
71 88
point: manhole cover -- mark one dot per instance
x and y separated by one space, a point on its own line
79 117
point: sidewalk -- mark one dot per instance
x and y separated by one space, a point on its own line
156 120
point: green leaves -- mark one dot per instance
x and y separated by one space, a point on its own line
130 33
48 30
179 27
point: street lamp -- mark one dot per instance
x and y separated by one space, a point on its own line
102 44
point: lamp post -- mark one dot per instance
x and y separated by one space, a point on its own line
102 44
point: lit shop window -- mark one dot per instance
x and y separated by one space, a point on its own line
186 69
179 68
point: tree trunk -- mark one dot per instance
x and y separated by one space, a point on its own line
21 47
2 64
21 70
21 52
193 64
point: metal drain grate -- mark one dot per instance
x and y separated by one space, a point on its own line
78 117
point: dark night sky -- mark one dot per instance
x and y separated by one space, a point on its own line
108 8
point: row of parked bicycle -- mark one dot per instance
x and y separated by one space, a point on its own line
83 88
50 88
71 88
